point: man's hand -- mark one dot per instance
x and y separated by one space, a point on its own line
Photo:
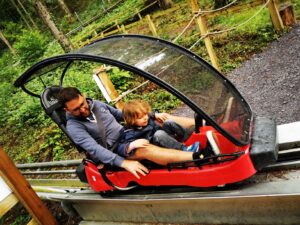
161 117
135 168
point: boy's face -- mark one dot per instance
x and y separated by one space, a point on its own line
142 120
78 107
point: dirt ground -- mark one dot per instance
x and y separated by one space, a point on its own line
270 81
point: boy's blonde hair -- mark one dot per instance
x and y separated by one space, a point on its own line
134 109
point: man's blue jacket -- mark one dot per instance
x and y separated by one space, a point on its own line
86 134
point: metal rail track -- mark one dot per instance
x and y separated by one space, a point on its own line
265 199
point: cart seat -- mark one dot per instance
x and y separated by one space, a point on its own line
55 110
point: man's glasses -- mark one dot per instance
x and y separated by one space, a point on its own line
82 105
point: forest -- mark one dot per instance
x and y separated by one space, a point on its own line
37 29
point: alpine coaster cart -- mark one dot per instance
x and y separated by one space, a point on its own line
247 144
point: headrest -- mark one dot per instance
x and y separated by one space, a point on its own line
50 99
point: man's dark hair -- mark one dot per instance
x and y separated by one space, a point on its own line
67 94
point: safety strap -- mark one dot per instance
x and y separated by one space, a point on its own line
101 129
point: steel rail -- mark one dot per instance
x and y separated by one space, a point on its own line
63 163
47 172
291 154
284 165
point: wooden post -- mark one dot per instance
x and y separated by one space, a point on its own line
201 22
287 14
23 191
151 26
139 15
118 27
276 19
123 29
110 88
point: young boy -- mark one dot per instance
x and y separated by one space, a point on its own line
143 127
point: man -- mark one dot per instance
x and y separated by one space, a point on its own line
82 126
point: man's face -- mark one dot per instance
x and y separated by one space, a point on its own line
78 107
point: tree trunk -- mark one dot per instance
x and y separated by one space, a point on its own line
21 14
2 37
58 35
27 14
66 9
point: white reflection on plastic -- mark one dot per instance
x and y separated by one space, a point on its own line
149 62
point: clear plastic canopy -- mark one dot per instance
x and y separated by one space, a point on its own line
174 68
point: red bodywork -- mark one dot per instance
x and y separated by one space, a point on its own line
205 176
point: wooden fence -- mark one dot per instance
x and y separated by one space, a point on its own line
200 17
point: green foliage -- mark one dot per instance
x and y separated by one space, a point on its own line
121 79
162 100
8 70
296 4
8 74
21 219
31 46
52 49
28 112
123 12
158 99
12 30
56 142
258 22
18 217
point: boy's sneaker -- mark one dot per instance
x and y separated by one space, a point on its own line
193 148
213 142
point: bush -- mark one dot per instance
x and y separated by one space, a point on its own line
159 99
121 79
12 30
31 46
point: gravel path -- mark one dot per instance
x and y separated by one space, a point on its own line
270 81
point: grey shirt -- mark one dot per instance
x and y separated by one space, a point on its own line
85 133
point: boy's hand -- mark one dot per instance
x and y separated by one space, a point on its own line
139 143
161 117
